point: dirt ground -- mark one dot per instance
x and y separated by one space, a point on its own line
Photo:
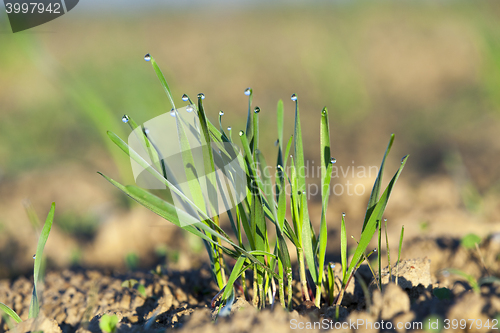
178 294
75 300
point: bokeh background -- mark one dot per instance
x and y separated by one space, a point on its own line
428 71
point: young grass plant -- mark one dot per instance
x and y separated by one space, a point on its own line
373 218
399 252
267 260
34 308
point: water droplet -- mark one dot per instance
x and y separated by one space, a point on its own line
147 57
375 250
172 112
332 265
385 220
343 214
189 108
248 91
303 192
402 160
291 156
333 160
241 133
294 97
185 97
256 110
201 95
323 112
277 142
125 119
221 113
229 128
34 256
146 131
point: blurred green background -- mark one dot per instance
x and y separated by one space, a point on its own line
428 71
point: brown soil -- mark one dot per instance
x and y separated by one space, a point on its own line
75 300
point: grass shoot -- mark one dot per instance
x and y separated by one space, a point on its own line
253 253
34 308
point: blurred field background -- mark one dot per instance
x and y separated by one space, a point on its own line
428 71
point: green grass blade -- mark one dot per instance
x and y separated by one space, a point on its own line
371 226
11 313
472 281
208 158
378 183
287 151
280 193
34 306
148 146
324 145
280 122
249 127
259 230
284 255
263 253
326 169
331 282
288 231
379 253
388 251
399 251
295 203
281 213
255 184
305 223
343 247
188 160
488 280
254 144
307 240
267 186
153 153
163 81
235 274
246 225
285 226
299 155
259 224
401 242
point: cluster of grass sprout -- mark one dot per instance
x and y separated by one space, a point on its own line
254 254
37 271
